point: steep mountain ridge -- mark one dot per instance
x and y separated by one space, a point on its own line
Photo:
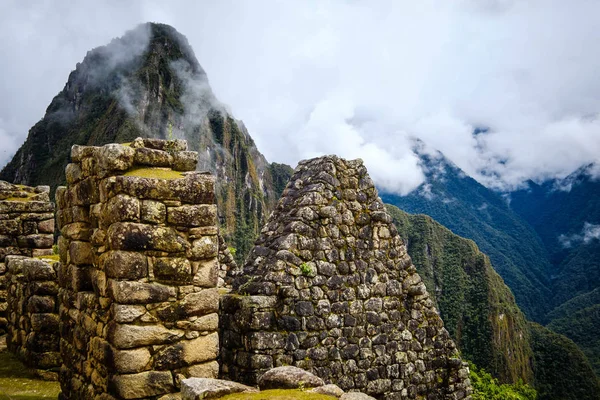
149 83
471 210
566 215
482 317
478 309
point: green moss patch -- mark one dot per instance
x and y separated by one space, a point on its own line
157 173
18 382
278 394
53 257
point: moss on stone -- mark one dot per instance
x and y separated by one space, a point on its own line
278 394
53 257
160 173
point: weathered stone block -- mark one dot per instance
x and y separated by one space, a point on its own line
131 361
36 241
38 270
129 336
115 157
185 160
193 215
172 269
46 226
81 253
131 292
153 212
206 273
142 385
206 247
124 265
153 157
120 208
139 237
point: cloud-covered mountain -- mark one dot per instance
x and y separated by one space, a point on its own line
149 83
473 211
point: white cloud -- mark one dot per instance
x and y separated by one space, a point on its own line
588 233
359 79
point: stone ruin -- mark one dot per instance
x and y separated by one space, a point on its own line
26 229
329 288
33 323
132 307
138 280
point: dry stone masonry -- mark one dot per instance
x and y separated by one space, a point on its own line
33 333
26 228
330 288
139 271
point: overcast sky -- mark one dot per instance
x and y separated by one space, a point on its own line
359 79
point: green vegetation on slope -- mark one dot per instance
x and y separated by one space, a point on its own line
478 309
471 210
561 370
560 211
485 387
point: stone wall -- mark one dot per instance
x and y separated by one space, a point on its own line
138 281
330 288
33 313
26 228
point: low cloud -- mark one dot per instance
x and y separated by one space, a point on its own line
358 79
588 233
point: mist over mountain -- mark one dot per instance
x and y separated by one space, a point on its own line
566 215
473 211
149 83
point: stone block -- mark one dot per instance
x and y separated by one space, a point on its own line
193 215
138 237
39 270
153 212
81 253
153 157
206 273
123 336
142 385
185 160
131 361
172 269
132 292
120 208
115 157
36 241
205 247
124 265
73 173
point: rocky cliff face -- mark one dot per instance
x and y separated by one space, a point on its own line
148 83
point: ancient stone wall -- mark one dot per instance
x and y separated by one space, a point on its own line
138 281
330 288
26 228
32 312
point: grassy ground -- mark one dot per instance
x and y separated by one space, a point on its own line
19 383
278 395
